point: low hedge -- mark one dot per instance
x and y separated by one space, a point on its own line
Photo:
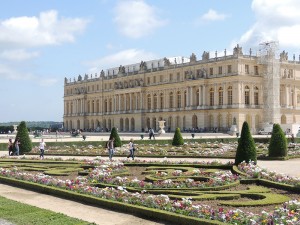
263 199
142 211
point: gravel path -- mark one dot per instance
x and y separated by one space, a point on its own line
73 209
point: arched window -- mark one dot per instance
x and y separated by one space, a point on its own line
148 101
256 102
247 95
161 100
211 97
155 101
220 96
171 100
178 99
197 97
229 95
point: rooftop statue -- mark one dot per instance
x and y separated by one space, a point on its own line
205 56
167 62
237 50
193 58
284 56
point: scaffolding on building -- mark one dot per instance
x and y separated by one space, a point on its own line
271 81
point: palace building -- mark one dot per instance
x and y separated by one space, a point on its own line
204 95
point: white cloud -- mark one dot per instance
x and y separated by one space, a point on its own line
47 29
125 57
9 72
213 15
136 19
276 20
18 55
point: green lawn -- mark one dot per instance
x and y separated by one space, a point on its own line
23 214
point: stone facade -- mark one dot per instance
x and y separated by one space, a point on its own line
205 94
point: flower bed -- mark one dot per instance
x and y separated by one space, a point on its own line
175 201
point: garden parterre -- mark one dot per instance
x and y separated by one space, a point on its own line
183 202
190 149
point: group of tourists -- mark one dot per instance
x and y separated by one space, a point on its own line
111 148
14 147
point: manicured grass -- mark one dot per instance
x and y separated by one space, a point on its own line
23 214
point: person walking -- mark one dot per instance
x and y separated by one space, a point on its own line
111 147
10 147
131 149
17 146
42 149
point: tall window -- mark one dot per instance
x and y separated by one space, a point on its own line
197 97
171 77
211 71
220 96
171 100
247 95
178 99
256 96
148 101
155 101
247 69
220 69
178 76
161 78
161 100
211 97
256 70
154 79
185 99
229 95
229 70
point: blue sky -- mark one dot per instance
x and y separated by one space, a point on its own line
42 42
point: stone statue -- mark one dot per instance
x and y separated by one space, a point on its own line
284 56
121 69
143 66
86 77
66 80
237 50
116 85
204 73
167 62
205 56
193 58
102 73
79 78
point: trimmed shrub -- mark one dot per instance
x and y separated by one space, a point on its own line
114 133
246 150
278 143
26 144
177 139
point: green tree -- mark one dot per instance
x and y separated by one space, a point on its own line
177 139
23 135
114 133
246 149
278 143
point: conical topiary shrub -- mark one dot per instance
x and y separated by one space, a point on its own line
278 143
114 133
177 139
23 135
246 150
